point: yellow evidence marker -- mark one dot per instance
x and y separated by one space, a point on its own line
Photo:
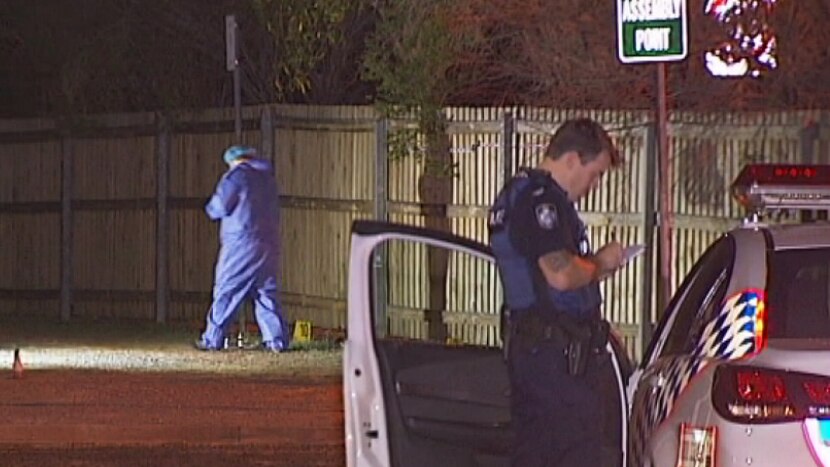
302 331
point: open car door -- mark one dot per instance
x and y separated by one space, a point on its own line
425 381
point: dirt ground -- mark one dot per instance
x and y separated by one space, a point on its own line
93 394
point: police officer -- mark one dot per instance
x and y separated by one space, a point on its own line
551 281
246 201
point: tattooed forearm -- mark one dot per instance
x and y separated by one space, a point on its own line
559 260
564 270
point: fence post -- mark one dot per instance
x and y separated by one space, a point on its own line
381 183
266 146
266 135
162 217
381 168
650 228
66 224
508 144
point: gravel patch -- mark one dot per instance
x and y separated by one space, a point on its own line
141 346
306 361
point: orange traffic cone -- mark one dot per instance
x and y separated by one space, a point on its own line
17 366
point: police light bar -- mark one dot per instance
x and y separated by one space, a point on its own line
762 187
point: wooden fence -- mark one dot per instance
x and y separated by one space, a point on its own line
102 217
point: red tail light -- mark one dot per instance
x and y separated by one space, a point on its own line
747 394
818 390
760 387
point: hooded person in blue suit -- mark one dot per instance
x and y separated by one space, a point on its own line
246 202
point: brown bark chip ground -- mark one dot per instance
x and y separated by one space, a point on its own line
86 418
96 394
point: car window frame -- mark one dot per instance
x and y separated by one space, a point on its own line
656 348
715 269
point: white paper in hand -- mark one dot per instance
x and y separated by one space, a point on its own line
631 252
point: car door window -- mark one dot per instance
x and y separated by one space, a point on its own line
441 295
700 300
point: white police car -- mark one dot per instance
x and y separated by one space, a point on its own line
737 373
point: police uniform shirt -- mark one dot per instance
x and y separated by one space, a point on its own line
538 219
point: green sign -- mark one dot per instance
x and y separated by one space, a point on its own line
652 30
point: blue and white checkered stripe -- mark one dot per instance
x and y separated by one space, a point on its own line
730 335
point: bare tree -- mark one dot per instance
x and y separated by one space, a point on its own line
318 46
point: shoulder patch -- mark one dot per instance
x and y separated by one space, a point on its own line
497 216
546 216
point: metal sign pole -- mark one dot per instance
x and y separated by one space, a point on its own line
649 225
664 179
232 64
656 31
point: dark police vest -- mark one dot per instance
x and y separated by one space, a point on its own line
525 288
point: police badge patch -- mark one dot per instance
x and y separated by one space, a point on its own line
546 216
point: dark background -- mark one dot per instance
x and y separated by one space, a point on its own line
61 57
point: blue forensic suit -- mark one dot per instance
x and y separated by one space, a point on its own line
558 417
246 202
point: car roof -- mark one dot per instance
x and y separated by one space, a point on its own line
800 236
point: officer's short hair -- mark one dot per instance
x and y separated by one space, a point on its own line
586 137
